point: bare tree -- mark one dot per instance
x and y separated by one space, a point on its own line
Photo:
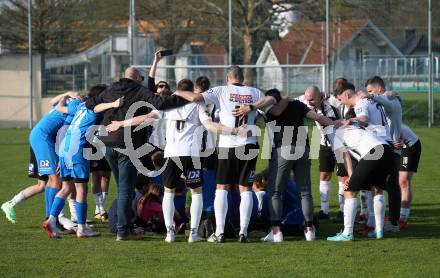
252 21
50 25
171 17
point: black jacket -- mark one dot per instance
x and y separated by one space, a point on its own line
132 93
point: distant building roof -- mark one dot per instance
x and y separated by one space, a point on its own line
215 54
415 43
306 41
201 54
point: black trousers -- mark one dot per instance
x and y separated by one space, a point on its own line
393 189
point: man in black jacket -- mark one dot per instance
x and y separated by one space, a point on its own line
131 89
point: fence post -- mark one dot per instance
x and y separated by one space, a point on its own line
31 74
430 96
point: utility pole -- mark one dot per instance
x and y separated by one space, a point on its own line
430 92
327 46
230 32
31 75
132 31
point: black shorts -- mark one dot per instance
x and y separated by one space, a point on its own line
172 173
33 168
211 162
99 165
370 173
77 180
410 157
232 170
341 171
327 160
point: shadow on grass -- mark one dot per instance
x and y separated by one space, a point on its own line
424 223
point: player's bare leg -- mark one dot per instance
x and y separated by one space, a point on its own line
28 192
100 182
405 188
105 184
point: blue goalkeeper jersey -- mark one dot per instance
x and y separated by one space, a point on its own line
54 120
72 107
75 139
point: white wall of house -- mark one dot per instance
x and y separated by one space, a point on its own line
348 61
269 77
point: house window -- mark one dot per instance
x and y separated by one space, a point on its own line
361 54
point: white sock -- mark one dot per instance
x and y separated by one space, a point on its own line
17 198
379 211
104 197
341 196
220 209
101 208
349 215
81 227
196 210
98 201
168 209
370 209
64 221
404 214
246 206
72 209
324 194
62 214
52 219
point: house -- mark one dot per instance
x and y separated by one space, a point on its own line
412 44
358 50
350 42
193 60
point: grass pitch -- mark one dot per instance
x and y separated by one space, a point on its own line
26 251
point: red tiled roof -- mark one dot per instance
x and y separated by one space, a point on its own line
306 41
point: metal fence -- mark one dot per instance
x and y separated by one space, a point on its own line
290 79
404 74
355 39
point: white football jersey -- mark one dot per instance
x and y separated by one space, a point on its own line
184 130
356 140
227 98
343 109
326 110
377 120
158 135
